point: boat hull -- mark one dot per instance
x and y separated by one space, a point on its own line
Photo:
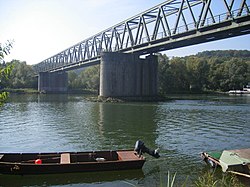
84 163
234 161
21 169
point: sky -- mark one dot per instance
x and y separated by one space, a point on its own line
42 28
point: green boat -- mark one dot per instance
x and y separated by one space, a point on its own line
234 161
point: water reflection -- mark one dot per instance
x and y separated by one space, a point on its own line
126 123
188 127
121 178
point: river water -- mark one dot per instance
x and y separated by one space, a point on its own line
181 127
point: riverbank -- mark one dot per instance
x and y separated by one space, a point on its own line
88 91
35 91
127 99
22 91
93 95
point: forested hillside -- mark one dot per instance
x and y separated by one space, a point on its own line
208 70
225 53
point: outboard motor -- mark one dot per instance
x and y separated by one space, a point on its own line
141 148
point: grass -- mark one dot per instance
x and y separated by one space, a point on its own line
208 179
22 90
170 181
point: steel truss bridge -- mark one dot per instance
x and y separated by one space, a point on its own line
169 25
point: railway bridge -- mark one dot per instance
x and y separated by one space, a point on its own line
118 49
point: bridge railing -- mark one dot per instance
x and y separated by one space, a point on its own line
217 19
142 30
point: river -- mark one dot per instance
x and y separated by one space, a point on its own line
181 127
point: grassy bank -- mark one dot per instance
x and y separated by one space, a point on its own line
35 91
208 179
22 91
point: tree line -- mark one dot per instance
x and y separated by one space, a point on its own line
22 75
205 71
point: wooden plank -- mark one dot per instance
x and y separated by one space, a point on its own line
65 158
239 173
127 155
244 153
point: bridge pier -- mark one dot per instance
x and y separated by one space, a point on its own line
127 76
53 82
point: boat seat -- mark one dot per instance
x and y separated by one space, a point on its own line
65 158
126 155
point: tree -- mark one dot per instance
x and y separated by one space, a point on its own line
87 79
179 74
90 78
215 75
22 75
4 74
74 81
165 76
4 70
197 69
236 71
208 70
5 50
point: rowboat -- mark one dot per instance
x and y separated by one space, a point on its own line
69 162
233 161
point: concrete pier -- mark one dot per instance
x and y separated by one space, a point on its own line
53 82
128 76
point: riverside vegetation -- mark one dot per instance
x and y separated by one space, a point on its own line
207 179
5 70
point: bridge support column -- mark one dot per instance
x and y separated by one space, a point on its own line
128 76
53 82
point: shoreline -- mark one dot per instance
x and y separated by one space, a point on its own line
93 95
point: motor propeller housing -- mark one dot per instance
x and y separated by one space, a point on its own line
140 148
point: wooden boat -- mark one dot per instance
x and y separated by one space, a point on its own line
234 161
68 162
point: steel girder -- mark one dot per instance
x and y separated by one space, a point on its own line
164 21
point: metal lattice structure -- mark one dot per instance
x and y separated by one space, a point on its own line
171 24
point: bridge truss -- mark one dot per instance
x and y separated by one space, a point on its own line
171 24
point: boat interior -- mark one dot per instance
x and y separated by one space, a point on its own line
62 158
